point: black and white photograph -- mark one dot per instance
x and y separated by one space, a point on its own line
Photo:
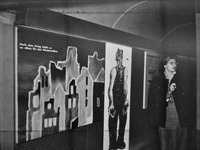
100 75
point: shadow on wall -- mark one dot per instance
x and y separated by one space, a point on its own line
181 40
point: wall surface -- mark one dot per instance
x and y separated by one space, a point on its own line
138 17
6 82
171 22
179 28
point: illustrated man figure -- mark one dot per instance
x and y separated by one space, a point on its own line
118 102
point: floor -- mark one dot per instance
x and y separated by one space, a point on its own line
145 142
106 140
150 142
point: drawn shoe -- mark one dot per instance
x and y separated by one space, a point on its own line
121 145
112 148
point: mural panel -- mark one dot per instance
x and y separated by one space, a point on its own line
56 79
117 96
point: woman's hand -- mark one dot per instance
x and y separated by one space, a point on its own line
172 87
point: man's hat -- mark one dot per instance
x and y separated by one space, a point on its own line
119 54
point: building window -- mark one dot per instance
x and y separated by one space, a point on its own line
86 80
46 81
86 93
42 81
49 106
54 121
98 102
35 101
86 102
74 102
50 122
69 103
45 123
72 90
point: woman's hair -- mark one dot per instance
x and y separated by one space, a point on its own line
165 60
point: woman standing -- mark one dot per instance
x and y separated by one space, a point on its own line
169 107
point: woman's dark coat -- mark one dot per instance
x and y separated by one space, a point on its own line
184 101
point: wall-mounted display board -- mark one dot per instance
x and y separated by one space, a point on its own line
59 83
151 65
118 68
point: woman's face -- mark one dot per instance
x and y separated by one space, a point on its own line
171 65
